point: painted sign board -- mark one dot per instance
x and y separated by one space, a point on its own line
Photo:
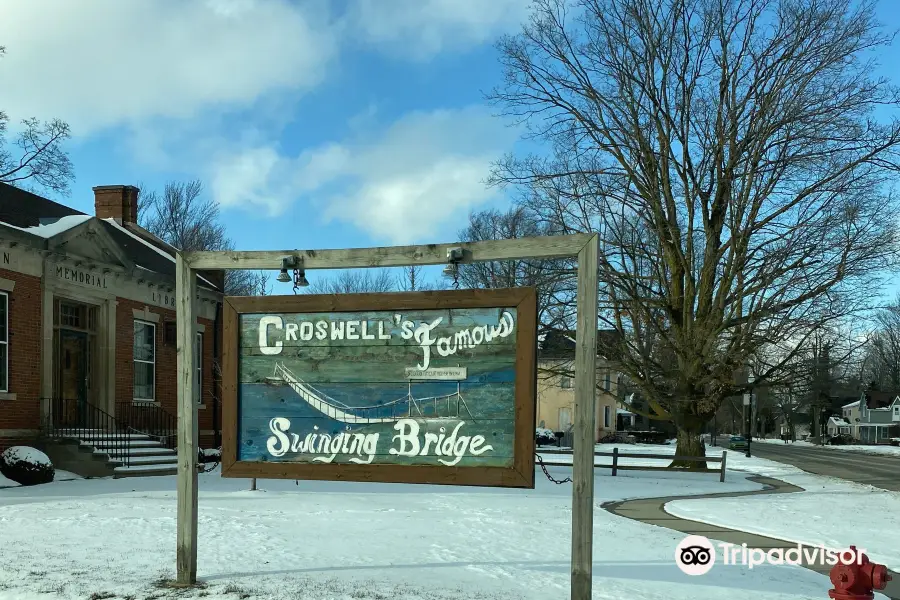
413 387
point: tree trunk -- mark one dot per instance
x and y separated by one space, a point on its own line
689 442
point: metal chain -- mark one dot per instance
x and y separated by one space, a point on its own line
455 277
547 473
296 281
205 469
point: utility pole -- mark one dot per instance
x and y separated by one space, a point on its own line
748 412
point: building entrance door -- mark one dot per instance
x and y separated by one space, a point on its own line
72 376
74 345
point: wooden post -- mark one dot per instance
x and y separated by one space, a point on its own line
253 484
585 392
722 473
186 564
615 460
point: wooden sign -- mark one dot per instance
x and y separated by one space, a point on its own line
419 387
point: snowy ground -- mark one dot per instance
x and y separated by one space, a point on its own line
323 540
880 449
831 512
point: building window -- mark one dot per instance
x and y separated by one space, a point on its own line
606 412
198 369
565 382
4 342
606 382
144 361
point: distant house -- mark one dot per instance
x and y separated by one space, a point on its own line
556 386
839 426
872 419
848 421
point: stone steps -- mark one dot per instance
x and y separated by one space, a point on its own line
143 455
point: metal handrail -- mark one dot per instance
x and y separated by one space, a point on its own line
81 420
145 418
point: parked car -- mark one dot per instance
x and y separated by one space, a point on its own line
737 442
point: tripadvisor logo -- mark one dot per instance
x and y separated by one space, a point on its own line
696 555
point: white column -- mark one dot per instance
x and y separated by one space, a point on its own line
107 337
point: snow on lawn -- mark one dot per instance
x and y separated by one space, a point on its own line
830 512
329 540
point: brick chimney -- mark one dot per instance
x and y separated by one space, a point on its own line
117 202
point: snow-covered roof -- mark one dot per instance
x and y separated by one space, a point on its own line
50 227
839 422
622 411
23 229
854 403
159 251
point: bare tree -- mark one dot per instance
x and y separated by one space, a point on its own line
552 279
882 365
789 402
182 217
728 156
38 159
410 278
354 282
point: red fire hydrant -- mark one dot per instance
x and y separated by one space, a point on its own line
857 580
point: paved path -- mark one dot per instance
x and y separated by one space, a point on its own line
878 470
652 511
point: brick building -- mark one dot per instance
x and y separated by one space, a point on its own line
87 326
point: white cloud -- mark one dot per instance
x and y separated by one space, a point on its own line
103 63
401 186
205 88
419 29
108 62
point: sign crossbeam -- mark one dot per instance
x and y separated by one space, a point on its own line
583 246
547 247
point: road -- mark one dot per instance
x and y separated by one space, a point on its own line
882 471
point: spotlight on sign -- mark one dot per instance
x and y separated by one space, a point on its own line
454 256
301 280
287 262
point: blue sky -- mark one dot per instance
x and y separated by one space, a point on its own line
314 123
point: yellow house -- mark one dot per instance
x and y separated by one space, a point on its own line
556 390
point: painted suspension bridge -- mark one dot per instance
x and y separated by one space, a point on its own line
448 406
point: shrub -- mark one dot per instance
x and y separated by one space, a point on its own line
544 437
210 455
26 466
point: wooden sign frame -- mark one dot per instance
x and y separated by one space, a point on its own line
584 246
519 475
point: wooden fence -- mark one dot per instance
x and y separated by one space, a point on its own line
616 455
